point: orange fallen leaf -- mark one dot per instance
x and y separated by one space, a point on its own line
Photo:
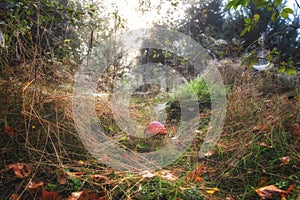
268 192
21 170
10 131
50 195
196 175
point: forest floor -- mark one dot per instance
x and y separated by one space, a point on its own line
42 155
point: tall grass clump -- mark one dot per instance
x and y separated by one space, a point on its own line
196 88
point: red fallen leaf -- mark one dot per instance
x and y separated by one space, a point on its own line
155 128
10 131
50 195
268 192
21 170
196 175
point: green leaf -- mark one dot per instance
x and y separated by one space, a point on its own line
285 12
288 10
260 3
281 70
291 71
247 20
256 17
244 31
277 2
122 139
244 2
230 4
274 16
269 7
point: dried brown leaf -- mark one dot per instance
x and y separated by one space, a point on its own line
61 178
100 178
285 160
14 197
263 144
271 191
21 170
74 196
260 128
34 185
86 195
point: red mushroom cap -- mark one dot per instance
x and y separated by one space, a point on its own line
155 128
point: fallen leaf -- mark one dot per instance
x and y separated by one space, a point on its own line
196 175
21 170
268 192
14 197
212 190
74 195
262 181
260 128
167 175
34 185
100 178
73 174
285 160
210 153
80 162
10 131
295 130
50 195
263 144
147 174
86 195
61 178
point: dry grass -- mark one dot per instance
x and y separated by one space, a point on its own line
257 133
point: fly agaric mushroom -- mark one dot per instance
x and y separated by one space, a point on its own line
155 128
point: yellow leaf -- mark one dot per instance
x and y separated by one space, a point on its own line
212 190
80 162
